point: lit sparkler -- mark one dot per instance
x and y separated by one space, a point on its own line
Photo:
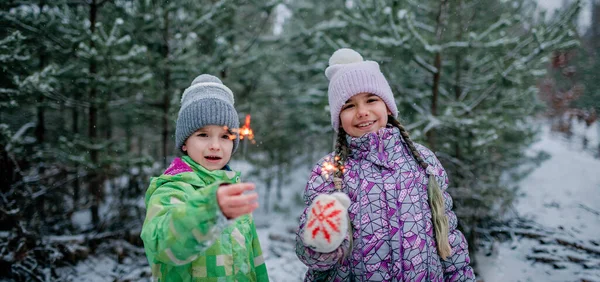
246 131
329 167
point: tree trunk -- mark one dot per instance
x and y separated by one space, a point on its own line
40 129
93 177
108 123
434 99
128 134
75 130
472 240
458 66
280 179
268 186
595 26
8 171
140 145
166 89
40 126
437 63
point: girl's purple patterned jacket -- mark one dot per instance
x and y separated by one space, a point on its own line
391 219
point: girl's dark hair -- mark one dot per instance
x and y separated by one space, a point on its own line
434 193
341 154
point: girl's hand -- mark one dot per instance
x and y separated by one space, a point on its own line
327 222
233 202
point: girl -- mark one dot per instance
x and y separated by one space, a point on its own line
375 209
198 224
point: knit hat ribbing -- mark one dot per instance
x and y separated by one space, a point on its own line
206 102
349 75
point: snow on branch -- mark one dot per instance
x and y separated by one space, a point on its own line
365 13
476 40
538 51
481 98
394 28
421 6
495 26
331 24
498 43
409 23
567 17
355 21
135 51
433 122
421 62
414 125
385 41
209 15
424 26
19 134
16 36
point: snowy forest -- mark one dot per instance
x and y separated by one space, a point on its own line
505 93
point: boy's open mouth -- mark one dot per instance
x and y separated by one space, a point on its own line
212 158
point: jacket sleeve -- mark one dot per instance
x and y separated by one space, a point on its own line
317 262
456 267
259 261
181 222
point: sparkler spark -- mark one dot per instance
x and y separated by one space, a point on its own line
244 131
330 167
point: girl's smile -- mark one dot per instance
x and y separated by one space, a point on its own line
363 113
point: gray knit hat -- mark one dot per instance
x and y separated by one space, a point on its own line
206 102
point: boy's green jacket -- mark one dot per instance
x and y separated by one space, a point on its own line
186 236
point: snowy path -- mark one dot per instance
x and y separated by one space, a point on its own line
562 194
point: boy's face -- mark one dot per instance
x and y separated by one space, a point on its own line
209 146
363 113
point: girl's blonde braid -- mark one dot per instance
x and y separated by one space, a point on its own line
434 193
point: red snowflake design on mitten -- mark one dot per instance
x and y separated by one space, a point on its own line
324 219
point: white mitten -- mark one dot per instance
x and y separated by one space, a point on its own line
327 222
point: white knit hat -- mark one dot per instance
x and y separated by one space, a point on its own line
349 75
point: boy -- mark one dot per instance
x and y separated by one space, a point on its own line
198 224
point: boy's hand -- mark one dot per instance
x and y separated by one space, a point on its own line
234 202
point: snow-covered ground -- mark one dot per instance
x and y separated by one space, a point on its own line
562 194
276 230
278 243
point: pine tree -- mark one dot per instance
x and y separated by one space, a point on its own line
58 65
588 62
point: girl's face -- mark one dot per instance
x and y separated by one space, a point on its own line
210 146
363 113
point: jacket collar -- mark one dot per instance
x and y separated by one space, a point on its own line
211 176
384 147
187 170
